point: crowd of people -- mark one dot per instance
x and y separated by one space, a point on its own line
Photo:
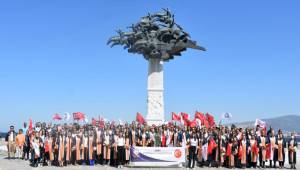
109 144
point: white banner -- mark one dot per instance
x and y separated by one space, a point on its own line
157 156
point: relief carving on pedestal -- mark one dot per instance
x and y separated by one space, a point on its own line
155 103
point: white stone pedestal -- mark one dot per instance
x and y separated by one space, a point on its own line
155 101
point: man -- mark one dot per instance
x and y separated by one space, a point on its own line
262 141
20 140
11 139
292 146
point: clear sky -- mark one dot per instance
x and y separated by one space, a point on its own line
54 58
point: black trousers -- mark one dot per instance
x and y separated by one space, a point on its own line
192 156
121 155
73 157
26 150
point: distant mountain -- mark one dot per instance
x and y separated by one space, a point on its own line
2 135
288 123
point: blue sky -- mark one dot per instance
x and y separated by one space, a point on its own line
54 58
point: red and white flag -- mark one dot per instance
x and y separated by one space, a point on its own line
94 121
175 117
78 116
30 124
193 123
200 115
57 117
211 120
139 118
260 123
185 119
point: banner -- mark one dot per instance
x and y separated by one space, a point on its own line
157 156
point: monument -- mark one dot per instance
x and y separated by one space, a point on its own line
158 38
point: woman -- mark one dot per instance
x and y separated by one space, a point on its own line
120 150
36 149
279 154
48 149
99 139
106 147
254 151
193 143
91 146
127 148
61 150
243 151
229 154
78 148
85 143
68 148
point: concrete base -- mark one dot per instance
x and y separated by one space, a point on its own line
155 101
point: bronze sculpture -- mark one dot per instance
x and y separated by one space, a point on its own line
155 36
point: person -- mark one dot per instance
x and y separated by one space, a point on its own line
10 139
127 148
157 137
292 146
193 143
120 150
272 141
20 140
279 153
35 143
91 147
106 146
262 142
99 141
229 154
243 147
68 148
253 149
26 146
78 147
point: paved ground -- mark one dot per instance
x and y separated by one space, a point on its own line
6 164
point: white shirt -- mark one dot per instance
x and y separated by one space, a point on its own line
106 139
121 141
11 137
85 141
193 142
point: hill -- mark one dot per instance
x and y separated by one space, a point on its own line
288 123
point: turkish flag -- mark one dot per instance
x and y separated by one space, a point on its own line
200 116
56 117
205 123
140 118
101 122
185 119
193 123
175 117
94 122
185 116
210 119
78 116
